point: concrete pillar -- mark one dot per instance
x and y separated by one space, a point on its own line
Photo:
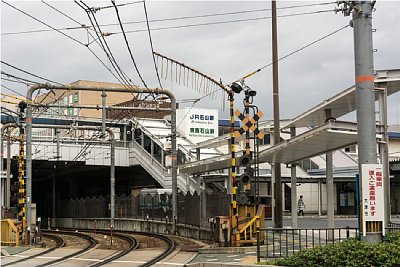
319 197
293 186
384 149
329 194
53 195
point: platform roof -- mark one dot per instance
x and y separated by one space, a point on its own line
330 136
345 102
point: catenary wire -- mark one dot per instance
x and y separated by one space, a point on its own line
178 18
127 45
109 54
23 12
227 21
27 72
151 43
83 26
12 90
100 41
16 81
291 53
64 14
51 28
105 7
17 78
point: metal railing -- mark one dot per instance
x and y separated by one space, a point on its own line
283 242
11 232
393 227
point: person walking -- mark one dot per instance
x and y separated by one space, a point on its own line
300 206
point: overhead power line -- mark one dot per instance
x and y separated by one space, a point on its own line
45 30
228 21
18 78
12 90
127 45
104 45
151 43
75 40
23 12
286 56
295 51
184 18
65 15
94 9
16 81
27 72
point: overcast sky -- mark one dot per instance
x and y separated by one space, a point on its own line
225 51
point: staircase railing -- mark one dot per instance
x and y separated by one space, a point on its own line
11 232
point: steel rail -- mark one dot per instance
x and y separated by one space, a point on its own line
170 243
59 243
91 240
171 247
133 244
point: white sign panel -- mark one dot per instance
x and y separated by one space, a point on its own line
373 206
198 124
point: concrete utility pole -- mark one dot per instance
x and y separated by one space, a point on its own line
365 94
101 89
364 79
276 165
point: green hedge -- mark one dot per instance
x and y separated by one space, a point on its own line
350 252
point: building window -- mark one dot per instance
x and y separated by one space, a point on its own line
266 140
350 149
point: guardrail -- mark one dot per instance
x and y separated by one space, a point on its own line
283 242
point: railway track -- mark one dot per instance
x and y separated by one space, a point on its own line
91 243
91 252
59 243
165 253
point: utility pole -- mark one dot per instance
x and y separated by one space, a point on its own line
364 79
276 165
365 94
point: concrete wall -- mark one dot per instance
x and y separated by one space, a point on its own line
133 225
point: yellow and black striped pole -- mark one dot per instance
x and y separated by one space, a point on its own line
21 180
21 173
247 116
233 162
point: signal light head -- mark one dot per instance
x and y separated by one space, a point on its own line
236 87
22 106
245 160
245 178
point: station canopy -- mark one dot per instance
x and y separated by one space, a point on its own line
327 136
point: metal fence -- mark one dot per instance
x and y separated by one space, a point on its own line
393 227
283 242
148 207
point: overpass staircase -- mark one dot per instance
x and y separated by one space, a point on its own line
157 165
